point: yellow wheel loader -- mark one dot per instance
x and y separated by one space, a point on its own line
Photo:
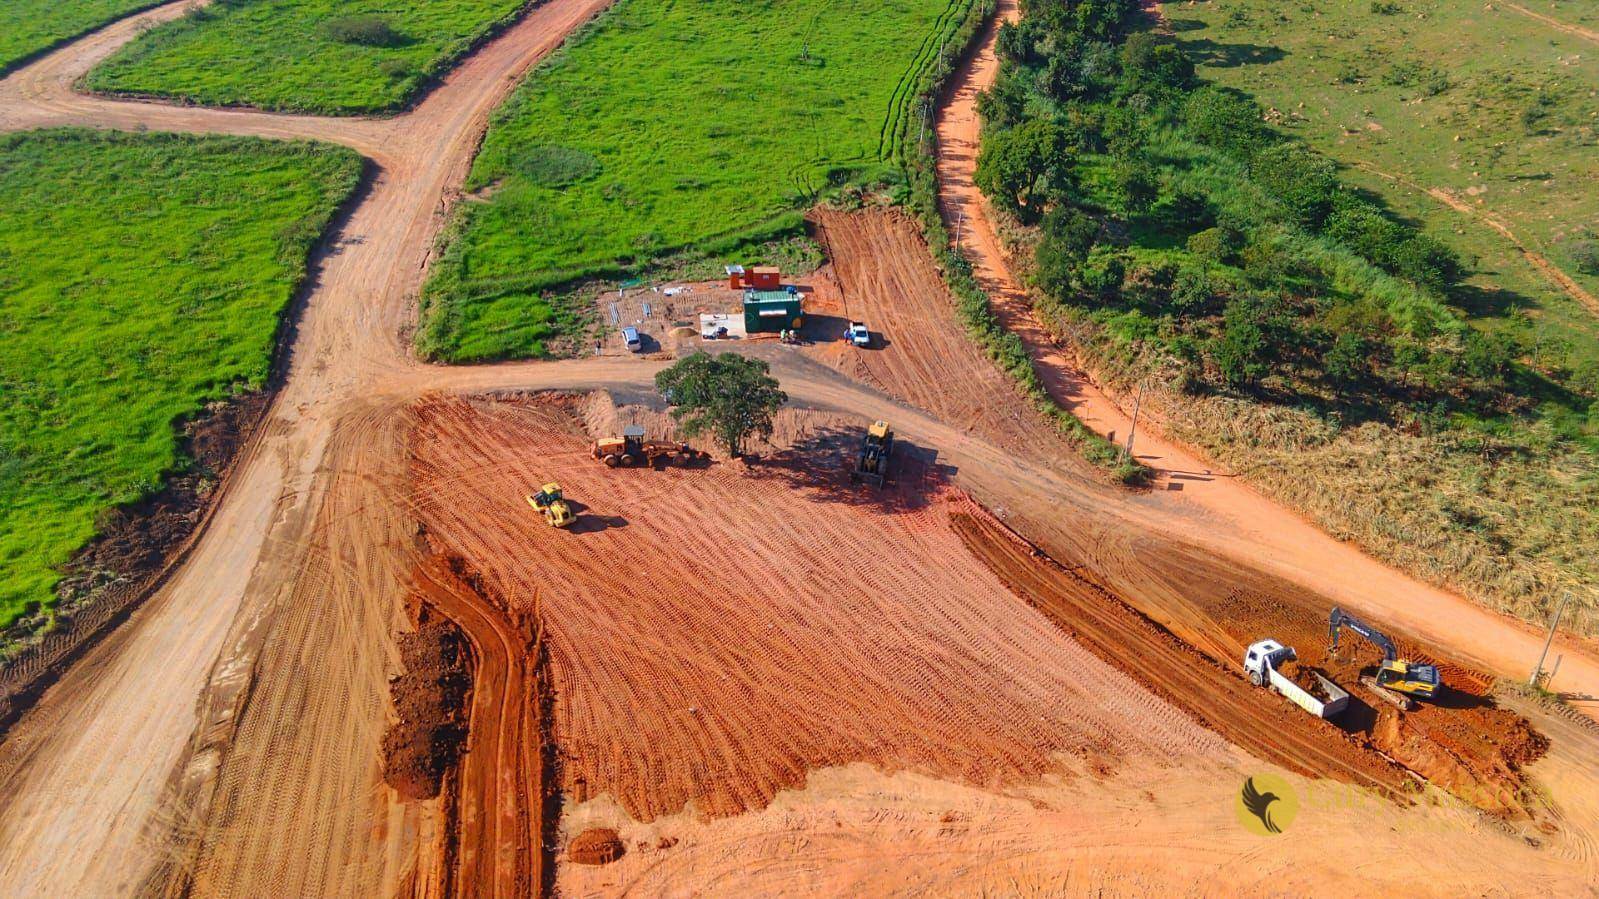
549 501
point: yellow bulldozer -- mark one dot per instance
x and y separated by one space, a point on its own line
550 502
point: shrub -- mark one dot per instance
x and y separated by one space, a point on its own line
1303 182
1219 245
366 31
1102 272
1192 292
1584 252
1225 119
1252 333
1137 185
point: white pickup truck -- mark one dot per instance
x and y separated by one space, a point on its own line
858 335
1261 661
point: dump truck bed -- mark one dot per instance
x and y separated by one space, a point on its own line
1337 701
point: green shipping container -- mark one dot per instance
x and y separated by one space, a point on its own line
772 311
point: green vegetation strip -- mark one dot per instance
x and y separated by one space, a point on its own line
1003 347
141 277
669 127
31 27
333 57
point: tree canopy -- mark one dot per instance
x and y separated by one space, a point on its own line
728 396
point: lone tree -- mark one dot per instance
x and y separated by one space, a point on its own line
728 396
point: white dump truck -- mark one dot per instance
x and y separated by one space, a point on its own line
1261 662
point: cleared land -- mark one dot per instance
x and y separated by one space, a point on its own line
715 658
700 706
145 277
670 128
334 57
28 27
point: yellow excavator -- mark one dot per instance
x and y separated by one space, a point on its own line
1401 676
876 449
556 510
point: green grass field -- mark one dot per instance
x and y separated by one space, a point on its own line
29 27
335 57
1494 106
140 278
667 128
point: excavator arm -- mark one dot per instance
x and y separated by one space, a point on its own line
1341 619
1393 674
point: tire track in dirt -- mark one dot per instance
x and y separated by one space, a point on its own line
1268 726
499 791
714 634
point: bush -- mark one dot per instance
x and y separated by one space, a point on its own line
1304 183
1218 245
1067 236
1137 185
1584 253
366 31
1192 292
1252 333
1102 272
1225 119
1154 65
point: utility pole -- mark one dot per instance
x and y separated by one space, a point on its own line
1537 670
960 225
1133 431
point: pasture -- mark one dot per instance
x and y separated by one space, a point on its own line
1494 106
30 27
332 57
141 277
668 130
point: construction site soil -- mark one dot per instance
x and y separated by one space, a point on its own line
712 660
1196 610
430 700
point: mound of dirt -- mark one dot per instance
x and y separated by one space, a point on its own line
1477 757
431 701
597 846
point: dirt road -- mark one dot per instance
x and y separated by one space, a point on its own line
92 773
1257 531
225 737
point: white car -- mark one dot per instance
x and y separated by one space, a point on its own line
858 335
